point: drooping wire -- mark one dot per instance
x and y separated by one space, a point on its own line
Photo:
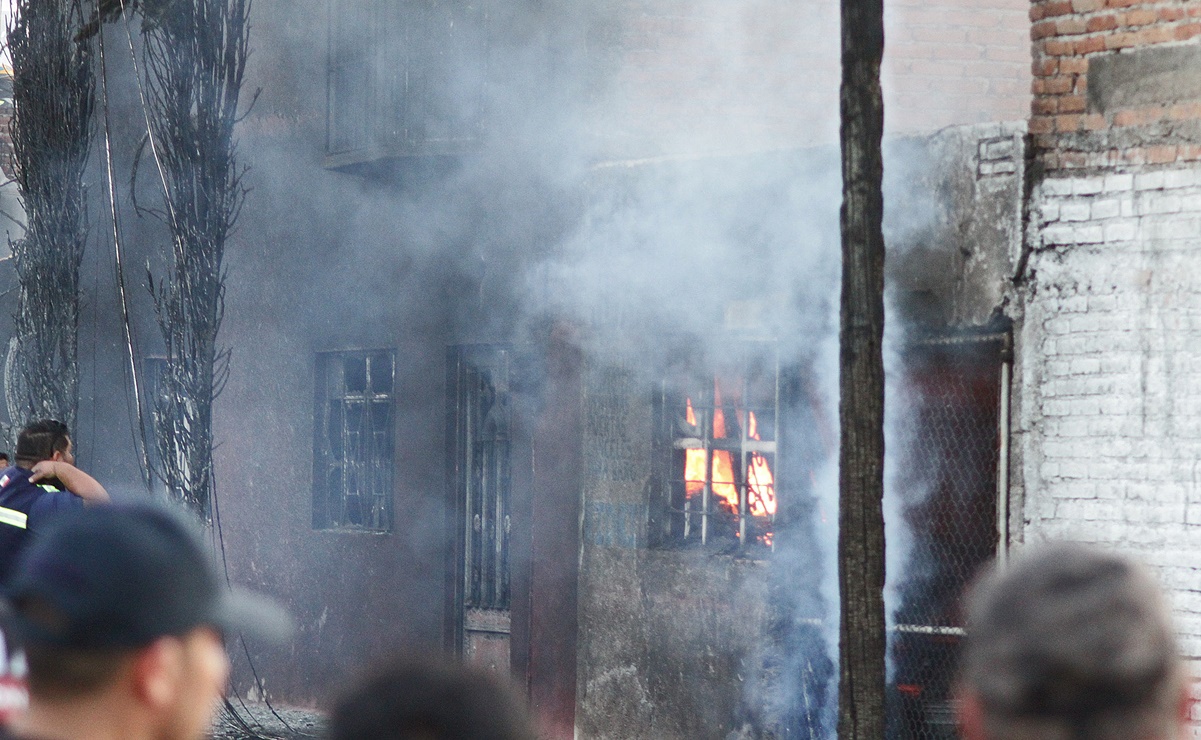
258 682
158 160
239 720
140 444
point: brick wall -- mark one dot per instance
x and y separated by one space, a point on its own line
956 62
766 72
1108 409
1071 130
1111 355
1107 431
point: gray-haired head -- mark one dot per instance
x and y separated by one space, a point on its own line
1072 642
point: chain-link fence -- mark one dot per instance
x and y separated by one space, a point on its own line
947 441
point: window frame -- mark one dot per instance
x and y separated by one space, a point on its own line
671 525
435 47
375 470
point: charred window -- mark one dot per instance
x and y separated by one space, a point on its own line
404 78
717 438
354 449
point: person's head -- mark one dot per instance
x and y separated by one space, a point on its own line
120 607
422 700
45 439
4 461
1070 642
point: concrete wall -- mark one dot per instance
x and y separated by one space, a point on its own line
953 222
683 642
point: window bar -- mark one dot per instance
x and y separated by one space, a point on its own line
775 435
479 476
689 503
707 493
498 523
705 428
487 552
467 412
743 488
503 475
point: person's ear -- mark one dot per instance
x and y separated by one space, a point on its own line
56 456
969 714
157 671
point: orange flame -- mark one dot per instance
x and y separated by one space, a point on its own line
694 461
761 485
723 460
760 482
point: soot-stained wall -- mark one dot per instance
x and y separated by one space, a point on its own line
667 638
688 642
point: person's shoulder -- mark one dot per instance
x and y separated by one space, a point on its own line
14 478
52 501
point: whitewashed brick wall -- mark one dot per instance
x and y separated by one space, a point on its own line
1108 417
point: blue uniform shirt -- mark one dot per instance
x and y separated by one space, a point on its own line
26 508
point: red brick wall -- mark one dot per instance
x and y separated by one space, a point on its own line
956 61
766 72
1066 35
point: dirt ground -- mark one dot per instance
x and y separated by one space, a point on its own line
255 721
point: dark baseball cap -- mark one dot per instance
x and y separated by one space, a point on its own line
122 576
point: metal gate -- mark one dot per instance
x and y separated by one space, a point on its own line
479 419
951 481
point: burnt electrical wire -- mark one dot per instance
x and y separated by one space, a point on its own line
53 80
243 720
195 53
123 296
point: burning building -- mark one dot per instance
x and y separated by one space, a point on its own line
531 315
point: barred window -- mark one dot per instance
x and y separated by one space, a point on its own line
479 414
404 78
354 449
717 433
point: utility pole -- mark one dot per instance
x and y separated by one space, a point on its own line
862 640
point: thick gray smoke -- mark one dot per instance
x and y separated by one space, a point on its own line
655 180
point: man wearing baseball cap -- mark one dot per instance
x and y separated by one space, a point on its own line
123 617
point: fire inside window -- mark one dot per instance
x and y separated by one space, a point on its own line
354 449
718 433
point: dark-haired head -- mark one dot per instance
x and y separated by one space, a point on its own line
423 700
41 440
